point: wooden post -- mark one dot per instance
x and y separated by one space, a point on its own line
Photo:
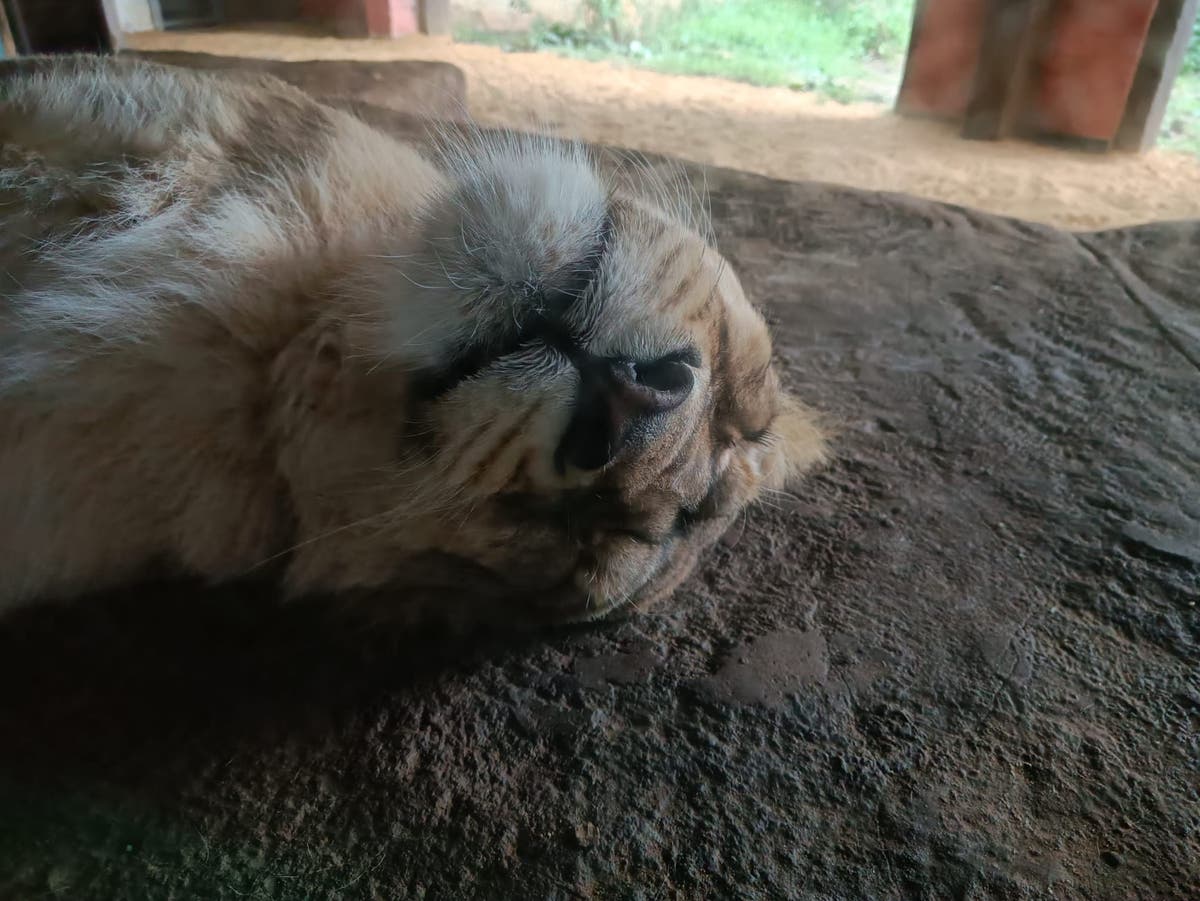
391 18
380 18
1085 75
907 75
57 26
8 49
435 16
942 58
1016 31
1162 58
1084 72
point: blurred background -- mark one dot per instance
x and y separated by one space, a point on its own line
1078 113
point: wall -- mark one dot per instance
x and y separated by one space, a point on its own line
130 15
261 10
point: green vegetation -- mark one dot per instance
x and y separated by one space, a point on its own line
845 49
831 46
1181 125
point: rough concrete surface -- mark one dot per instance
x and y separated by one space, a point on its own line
963 661
417 87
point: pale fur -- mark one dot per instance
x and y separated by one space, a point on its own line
217 295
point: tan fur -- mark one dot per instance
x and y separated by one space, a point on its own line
220 300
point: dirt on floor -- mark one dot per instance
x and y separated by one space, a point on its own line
770 131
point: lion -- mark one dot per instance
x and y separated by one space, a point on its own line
244 332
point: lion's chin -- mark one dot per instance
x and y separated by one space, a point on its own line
568 604
440 589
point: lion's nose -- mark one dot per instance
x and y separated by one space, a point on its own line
616 398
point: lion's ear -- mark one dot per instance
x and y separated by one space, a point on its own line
309 369
800 439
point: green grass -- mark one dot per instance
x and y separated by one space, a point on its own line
823 45
1181 125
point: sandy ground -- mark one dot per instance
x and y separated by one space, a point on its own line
771 131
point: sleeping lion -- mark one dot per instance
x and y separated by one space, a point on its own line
244 333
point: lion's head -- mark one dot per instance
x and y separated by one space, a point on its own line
551 391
